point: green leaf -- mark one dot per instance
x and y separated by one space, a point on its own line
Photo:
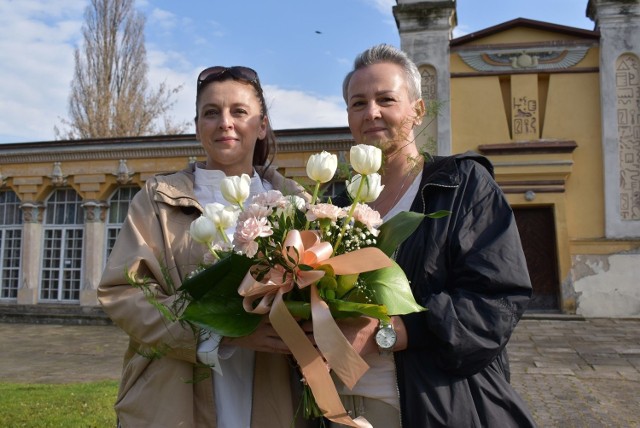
390 287
215 303
394 231
343 309
438 214
224 316
299 309
224 277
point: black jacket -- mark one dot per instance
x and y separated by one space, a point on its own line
468 269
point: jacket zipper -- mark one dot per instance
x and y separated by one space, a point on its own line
393 256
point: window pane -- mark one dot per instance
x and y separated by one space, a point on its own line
10 244
63 247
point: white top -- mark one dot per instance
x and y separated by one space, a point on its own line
379 381
234 390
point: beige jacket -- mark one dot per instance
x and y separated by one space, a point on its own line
169 391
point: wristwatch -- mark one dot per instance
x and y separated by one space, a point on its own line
385 338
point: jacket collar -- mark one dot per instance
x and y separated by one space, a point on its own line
445 170
176 188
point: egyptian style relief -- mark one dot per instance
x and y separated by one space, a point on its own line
429 84
547 58
429 127
628 105
525 118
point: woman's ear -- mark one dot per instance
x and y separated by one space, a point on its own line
420 110
264 124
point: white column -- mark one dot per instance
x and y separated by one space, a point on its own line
619 25
425 28
31 252
94 251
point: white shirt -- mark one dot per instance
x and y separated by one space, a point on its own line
234 389
379 382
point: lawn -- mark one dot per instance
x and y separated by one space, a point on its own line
81 405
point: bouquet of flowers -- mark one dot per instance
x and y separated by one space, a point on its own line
293 259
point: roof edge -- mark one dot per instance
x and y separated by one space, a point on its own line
529 23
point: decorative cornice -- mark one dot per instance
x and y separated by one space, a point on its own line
526 23
185 146
528 147
531 167
430 15
541 72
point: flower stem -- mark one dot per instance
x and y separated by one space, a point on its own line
224 235
314 198
350 214
213 252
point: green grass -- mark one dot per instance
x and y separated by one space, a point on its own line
81 405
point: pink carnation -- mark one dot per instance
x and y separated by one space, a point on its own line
320 211
256 211
364 214
247 232
270 198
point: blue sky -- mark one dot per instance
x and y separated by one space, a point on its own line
301 69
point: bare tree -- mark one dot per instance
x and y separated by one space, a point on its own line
109 92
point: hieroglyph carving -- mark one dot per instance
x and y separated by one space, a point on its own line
628 105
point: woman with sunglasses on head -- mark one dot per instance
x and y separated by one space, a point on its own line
178 388
446 366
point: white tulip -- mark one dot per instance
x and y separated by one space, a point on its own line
370 189
236 189
322 166
203 230
365 159
223 217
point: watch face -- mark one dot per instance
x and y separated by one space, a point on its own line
386 338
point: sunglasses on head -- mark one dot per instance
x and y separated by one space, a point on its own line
237 72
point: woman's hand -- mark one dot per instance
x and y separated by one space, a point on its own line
263 339
360 332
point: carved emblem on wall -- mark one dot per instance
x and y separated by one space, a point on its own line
94 211
58 179
524 59
123 175
32 212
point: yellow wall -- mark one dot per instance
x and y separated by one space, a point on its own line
477 113
573 113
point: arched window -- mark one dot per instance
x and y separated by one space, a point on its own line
10 244
118 208
62 247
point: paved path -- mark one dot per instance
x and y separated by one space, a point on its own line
573 373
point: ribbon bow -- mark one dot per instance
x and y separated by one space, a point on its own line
306 248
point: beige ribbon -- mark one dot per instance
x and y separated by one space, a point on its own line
306 248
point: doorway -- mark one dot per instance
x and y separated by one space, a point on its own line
538 235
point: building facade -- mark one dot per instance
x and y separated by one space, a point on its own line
62 204
555 108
